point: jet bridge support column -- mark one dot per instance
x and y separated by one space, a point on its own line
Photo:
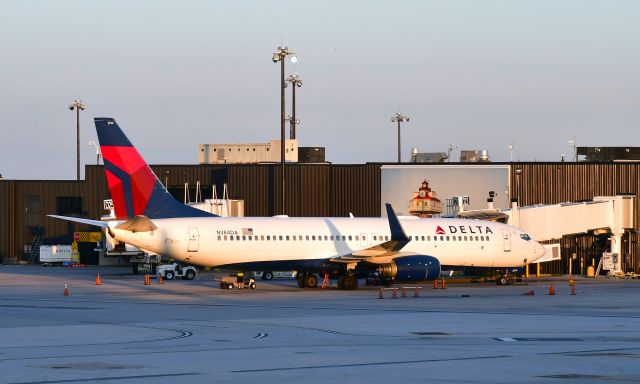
616 249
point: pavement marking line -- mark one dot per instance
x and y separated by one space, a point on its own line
261 335
511 339
508 339
105 378
371 364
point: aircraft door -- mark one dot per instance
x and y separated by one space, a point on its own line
194 239
506 239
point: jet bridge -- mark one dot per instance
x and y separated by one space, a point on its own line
604 214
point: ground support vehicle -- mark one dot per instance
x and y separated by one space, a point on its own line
240 282
171 271
270 275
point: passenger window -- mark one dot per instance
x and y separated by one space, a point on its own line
268 238
447 238
349 237
428 238
459 238
453 238
441 238
307 237
357 237
326 237
422 238
465 238
375 238
219 238
364 238
262 237
313 238
344 238
410 237
225 237
435 238
244 238
476 238
237 238
280 237
287 238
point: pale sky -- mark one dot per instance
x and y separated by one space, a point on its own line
477 74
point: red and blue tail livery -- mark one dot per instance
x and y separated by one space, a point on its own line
135 189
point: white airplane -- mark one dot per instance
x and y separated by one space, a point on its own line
403 249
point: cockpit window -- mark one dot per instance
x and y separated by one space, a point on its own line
524 236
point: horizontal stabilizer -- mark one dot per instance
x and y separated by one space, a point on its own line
97 223
139 223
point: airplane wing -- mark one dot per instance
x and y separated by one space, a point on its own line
383 252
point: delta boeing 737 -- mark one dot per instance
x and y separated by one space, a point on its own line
402 249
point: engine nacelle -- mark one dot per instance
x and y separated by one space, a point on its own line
412 268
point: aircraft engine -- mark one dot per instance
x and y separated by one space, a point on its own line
412 268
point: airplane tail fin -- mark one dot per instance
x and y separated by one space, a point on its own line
135 189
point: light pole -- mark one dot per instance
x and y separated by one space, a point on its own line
450 149
280 55
78 106
93 144
292 126
510 152
296 82
575 152
399 118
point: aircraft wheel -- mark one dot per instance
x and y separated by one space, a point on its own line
301 279
341 282
190 275
350 282
229 286
252 285
310 281
169 275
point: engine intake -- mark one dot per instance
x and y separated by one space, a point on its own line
412 268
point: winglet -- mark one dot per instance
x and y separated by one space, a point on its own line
398 236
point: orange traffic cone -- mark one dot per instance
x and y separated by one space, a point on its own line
552 290
98 280
147 280
66 290
160 281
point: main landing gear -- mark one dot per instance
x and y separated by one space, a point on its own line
307 280
348 282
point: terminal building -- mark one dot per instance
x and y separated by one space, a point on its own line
323 189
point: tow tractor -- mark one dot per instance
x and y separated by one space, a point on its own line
170 271
239 281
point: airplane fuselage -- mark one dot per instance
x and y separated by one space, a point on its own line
220 241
